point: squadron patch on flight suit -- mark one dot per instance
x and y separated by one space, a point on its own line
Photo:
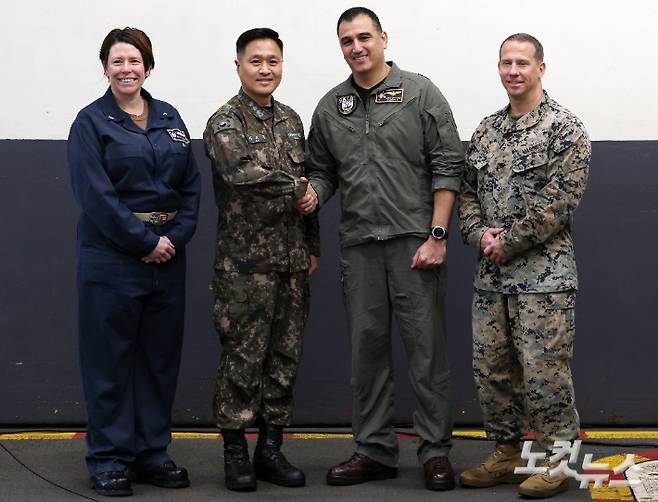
178 135
347 104
390 96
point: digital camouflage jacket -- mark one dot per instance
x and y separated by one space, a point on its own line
526 175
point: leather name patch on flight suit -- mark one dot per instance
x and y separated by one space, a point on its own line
390 96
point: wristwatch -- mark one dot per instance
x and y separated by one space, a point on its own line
439 233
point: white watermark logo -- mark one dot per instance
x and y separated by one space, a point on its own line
566 453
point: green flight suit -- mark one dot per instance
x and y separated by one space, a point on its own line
387 158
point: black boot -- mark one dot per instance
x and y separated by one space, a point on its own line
238 473
270 463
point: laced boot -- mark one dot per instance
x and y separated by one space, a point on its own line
269 462
238 473
544 485
497 469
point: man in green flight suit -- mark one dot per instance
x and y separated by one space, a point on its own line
265 251
387 139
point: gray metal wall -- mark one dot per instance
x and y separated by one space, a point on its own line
614 366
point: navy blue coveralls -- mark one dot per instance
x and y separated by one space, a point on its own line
130 313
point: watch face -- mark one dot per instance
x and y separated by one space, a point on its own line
438 232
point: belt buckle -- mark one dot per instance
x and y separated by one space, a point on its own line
158 218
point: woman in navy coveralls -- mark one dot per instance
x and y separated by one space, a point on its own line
138 186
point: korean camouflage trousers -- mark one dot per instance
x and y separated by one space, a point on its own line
260 320
522 351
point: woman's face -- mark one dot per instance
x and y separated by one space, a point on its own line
125 70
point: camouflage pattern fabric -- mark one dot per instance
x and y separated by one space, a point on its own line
260 320
526 176
262 257
522 350
257 158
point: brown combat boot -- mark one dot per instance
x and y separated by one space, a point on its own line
497 469
541 486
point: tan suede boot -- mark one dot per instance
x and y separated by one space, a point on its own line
497 469
541 486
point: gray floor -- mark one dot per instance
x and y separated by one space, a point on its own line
62 462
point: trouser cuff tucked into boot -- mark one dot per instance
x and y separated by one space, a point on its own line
238 473
270 463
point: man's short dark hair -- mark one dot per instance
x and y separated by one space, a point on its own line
524 37
352 12
256 34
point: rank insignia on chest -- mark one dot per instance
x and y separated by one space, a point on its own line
390 96
178 135
347 104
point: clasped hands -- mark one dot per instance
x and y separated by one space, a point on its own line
163 251
491 246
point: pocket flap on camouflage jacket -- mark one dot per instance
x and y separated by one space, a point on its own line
561 300
297 155
530 160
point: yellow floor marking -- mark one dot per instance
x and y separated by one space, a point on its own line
621 434
471 434
613 492
312 435
195 435
303 435
38 435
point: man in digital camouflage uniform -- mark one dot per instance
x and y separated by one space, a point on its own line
387 139
526 170
265 251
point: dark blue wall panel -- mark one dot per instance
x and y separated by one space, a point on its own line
616 347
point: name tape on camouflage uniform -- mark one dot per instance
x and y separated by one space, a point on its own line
295 135
535 147
390 96
256 138
347 104
178 135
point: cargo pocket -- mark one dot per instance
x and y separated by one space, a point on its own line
560 320
231 308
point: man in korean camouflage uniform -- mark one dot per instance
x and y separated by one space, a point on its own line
265 251
526 171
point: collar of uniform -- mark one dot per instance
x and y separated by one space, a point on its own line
157 109
262 113
393 79
508 125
